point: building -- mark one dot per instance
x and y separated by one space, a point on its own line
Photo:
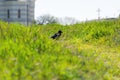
21 11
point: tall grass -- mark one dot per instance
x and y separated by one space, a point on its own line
85 51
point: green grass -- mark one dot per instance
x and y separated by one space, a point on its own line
85 51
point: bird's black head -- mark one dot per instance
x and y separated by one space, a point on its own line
59 31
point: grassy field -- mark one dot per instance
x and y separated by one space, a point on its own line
85 51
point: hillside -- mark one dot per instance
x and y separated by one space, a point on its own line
85 51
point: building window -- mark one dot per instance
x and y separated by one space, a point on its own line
8 13
19 13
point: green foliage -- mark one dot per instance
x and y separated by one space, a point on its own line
85 51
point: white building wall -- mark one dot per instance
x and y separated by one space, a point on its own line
26 11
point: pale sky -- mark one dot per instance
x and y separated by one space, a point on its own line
79 9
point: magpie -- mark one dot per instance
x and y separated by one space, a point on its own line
57 35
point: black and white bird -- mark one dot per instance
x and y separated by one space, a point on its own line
57 35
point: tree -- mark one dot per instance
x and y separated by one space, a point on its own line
68 21
46 19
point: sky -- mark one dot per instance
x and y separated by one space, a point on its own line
79 9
